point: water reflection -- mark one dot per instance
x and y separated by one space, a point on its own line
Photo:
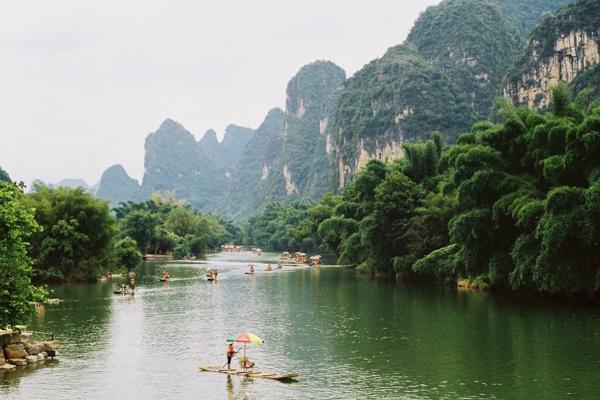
349 336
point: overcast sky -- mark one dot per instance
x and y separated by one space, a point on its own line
82 83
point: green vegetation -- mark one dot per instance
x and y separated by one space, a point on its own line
164 226
513 205
76 240
399 96
256 181
4 176
581 15
311 96
79 239
116 186
174 161
525 14
17 224
472 42
284 226
586 85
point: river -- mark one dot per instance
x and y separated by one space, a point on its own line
348 335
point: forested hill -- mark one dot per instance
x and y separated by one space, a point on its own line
116 186
511 206
525 14
446 76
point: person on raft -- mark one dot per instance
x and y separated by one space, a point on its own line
230 353
248 364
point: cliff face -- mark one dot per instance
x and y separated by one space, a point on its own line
399 97
117 186
305 162
560 48
447 75
254 181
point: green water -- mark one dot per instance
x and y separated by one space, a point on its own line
350 337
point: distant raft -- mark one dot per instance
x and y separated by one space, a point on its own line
251 374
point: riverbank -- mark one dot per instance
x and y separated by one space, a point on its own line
19 349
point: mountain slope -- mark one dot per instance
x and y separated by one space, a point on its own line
117 186
252 185
311 95
227 153
472 42
72 183
399 97
174 161
560 48
525 14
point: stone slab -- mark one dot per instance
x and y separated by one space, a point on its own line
15 351
18 361
31 359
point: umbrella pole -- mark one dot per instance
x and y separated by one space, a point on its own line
244 355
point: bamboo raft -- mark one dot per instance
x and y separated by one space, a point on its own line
251 374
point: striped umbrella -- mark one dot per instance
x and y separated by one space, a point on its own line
247 338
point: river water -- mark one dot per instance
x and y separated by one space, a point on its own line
349 336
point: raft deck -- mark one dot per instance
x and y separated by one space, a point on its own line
251 374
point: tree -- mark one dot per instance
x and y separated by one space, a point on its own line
4 176
127 254
76 242
17 224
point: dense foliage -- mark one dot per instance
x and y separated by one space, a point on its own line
285 226
164 226
17 224
525 14
76 240
4 176
513 205
398 96
472 42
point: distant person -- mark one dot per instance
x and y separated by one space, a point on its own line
279 266
252 268
230 353
269 268
132 284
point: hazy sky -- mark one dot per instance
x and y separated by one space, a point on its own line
83 82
